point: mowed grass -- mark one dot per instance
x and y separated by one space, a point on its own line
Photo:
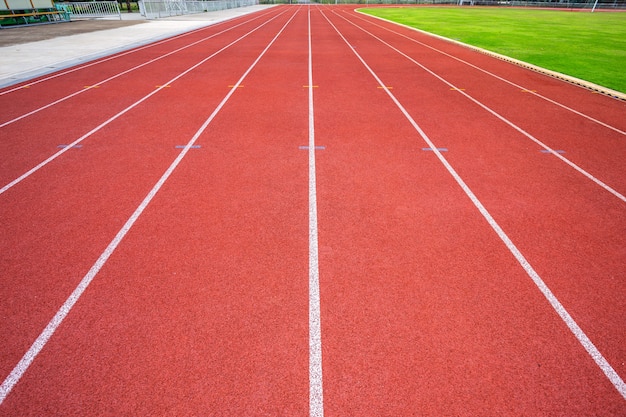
589 46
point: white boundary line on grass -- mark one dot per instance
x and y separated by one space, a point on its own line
16 374
127 109
498 115
580 335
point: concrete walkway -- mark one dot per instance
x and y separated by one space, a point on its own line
25 60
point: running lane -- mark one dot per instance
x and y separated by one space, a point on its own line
424 309
578 239
59 220
202 309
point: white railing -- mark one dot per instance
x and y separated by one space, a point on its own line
154 9
91 9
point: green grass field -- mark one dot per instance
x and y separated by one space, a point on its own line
589 46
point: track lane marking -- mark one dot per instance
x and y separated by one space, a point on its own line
580 335
22 366
497 115
98 84
127 109
316 387
533 92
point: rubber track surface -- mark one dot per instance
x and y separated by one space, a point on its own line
202 307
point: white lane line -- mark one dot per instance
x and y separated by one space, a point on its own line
316 391
135 104
120 74
23 365
591 349
499 116
109 58
527 90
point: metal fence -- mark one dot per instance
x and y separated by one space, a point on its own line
154 9
91 9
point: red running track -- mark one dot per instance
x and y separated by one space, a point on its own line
307 211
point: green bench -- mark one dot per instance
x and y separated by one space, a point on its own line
30 12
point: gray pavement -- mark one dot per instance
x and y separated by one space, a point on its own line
62 45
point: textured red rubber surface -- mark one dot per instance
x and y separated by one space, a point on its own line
202 306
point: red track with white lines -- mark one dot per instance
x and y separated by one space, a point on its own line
308 211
